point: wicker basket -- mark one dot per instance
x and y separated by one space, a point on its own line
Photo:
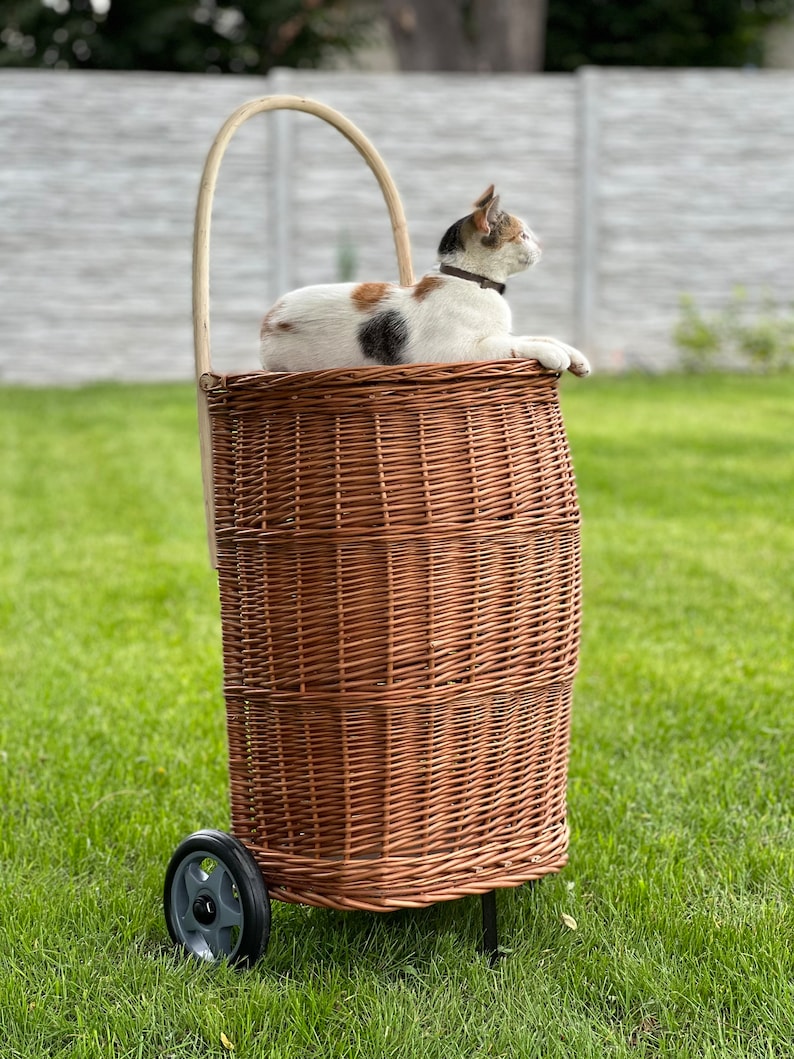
398 560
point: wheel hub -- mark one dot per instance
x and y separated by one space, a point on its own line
204 910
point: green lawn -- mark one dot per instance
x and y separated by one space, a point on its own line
682 857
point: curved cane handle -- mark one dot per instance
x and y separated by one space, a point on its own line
201 250
201 232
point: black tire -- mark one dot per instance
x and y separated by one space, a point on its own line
215 900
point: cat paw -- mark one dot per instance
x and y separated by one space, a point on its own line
579 364
552 354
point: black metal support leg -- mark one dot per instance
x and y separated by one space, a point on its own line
490 935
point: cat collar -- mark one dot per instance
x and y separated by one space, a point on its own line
481 281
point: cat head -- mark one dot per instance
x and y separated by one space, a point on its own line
489 241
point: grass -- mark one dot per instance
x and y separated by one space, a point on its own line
112 750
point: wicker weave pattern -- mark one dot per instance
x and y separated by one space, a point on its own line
398 558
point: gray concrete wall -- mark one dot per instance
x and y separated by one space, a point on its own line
98 185
693 191
641 184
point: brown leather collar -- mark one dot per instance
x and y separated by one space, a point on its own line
481 281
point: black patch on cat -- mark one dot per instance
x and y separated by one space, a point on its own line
452 240
383 337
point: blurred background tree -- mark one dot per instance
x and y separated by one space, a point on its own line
660 32
252 36
243 36
468 35
561 35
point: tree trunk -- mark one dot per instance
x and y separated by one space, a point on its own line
468 35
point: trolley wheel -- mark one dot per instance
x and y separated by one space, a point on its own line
215 900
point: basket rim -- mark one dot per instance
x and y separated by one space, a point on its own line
378 374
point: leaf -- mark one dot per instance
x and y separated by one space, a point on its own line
569 921
227 1044
649 1027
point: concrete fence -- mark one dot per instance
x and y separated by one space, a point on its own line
642 185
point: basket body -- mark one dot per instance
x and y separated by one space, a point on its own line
399 571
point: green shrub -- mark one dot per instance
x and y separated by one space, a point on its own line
740 336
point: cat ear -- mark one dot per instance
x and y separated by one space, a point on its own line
485 210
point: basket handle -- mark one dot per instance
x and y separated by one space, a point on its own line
201 232
201 248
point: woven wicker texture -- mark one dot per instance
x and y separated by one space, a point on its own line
399 571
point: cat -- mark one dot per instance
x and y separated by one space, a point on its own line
454 313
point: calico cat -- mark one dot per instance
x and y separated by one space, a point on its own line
454 313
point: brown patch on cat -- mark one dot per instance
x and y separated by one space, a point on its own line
425 286
367 295
504 229
514 230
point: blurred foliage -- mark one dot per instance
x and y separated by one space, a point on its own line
743 335
659 32
245 36
251 36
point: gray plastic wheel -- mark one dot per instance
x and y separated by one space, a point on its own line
215 900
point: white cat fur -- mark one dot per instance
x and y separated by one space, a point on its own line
440 319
